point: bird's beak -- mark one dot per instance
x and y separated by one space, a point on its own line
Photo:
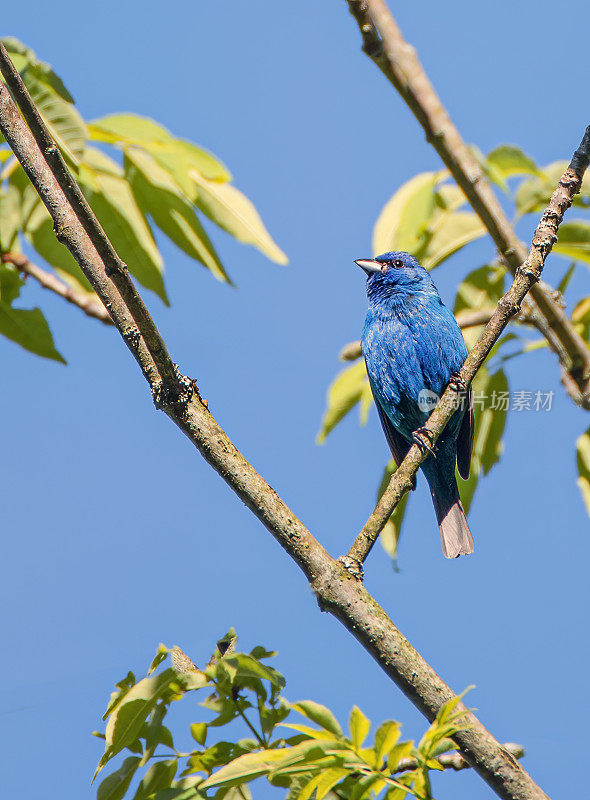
369 265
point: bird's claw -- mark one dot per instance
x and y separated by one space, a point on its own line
425 440
457 383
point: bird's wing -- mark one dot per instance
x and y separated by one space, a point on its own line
465 439
397 444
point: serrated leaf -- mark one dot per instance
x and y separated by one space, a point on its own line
159 196
345 391
583 460
402 221
227 207
115 785
359 727
319 714
29 328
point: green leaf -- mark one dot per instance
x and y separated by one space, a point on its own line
159 776
359 727
176 155
568 275
583 459
448 233
114 786
343 394
323 782
386 737
480 290
10 284
574 240
399 751
319 714
128 717
247 666
491 394
63 120
161 655
28 328
199 732
124 223
10 219
391 532
509 160
24 58
534 193
402 221
227 207
245 768
581 317
159 196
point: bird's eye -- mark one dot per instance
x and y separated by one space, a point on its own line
397 263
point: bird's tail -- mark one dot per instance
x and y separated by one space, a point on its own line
455 536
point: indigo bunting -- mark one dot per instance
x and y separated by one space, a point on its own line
412 347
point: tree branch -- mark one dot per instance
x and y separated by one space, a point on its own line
465 319
455 760
88 304
526 275
385 45
337 591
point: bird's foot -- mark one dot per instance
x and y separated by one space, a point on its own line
424 438
457 383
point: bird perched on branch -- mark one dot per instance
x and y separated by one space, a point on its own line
413 347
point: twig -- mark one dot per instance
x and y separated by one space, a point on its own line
385 45
465 319
454 760
543 240
88 304
336 590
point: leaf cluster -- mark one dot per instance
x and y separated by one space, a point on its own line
243 694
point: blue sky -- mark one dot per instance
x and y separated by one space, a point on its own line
117 536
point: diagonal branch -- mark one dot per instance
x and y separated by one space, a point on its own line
337 591
385 45
526 276
85 302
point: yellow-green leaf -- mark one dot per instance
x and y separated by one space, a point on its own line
402 221
159 196
450 232
399 751
359 727
343 394
244 768
319 714
392 530
63 120
386 736
583 459
574 240
115 785
232 211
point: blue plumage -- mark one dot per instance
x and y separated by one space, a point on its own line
412 346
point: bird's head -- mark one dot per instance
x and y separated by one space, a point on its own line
395 274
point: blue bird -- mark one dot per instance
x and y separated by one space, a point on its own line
412 347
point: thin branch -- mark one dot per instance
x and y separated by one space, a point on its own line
455 760
465 319
337 591
543 240
385 45
87 303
